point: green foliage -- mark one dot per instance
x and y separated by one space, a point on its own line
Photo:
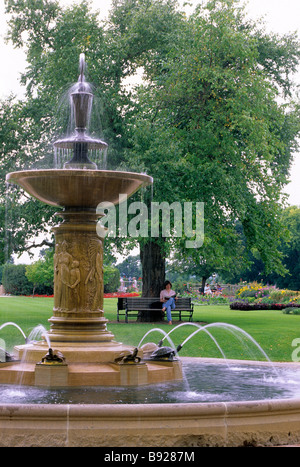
291 311
41 272
22 279
111 279
130 267
211 108
15 281
289 248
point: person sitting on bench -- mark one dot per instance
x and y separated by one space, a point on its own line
168 297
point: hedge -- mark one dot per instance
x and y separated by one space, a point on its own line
262 306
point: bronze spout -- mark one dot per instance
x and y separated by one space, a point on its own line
82 102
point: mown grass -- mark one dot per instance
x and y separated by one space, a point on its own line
273 330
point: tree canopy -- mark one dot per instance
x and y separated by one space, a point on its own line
218 117
215 119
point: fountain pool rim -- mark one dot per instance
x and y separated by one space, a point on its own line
260 423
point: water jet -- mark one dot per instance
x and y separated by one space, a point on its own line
10 323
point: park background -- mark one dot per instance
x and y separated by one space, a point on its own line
252 286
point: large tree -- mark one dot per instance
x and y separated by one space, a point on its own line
218 124
206 123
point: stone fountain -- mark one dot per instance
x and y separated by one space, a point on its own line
78 329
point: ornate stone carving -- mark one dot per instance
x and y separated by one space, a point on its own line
78 271
94 278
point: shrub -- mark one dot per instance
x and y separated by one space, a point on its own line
15 281
248 293
207 300
111 279
290 310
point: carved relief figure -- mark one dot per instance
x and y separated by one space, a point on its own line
73 284
56 274
63 264
93 280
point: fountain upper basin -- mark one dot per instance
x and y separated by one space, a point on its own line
78 187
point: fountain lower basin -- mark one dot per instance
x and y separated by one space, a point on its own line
268 422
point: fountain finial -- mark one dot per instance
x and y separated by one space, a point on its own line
80 142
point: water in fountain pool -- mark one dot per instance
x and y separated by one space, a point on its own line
207 382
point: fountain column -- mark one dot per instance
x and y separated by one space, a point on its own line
78 280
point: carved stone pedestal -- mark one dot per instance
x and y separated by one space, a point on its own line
78 280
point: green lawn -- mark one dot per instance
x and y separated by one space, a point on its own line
273 330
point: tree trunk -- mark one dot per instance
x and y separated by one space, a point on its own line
201 290
153 272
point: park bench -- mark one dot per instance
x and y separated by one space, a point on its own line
151 308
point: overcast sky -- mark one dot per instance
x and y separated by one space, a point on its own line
280 16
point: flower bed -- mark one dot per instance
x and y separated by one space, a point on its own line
262 306
256 296
121 294
39 296
255 290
